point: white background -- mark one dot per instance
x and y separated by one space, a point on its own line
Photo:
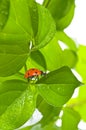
77 29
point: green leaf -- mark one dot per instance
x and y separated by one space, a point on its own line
44 34
17 103
37 59
19 21
44 59
20 18
15 76
19 30
65 21
14 43
57 12
70 119
52 54
61 12
81 65
62 36
12 57
34 16
4 12
50 113
70 58
59 85
30 18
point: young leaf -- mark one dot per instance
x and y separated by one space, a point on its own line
4 12
57 86
17 103
70 119
61 12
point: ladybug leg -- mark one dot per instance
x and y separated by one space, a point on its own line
37 77
34 77
30 78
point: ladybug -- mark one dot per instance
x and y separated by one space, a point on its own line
33 73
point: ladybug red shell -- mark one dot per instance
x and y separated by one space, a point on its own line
33 72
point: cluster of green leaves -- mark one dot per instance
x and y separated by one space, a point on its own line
29 38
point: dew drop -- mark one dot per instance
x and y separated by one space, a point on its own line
58 89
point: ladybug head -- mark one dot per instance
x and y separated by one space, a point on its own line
43 73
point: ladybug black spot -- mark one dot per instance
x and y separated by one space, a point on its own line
33 69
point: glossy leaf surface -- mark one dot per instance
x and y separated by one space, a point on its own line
4 12
26 22
59 85
62 12
17 103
